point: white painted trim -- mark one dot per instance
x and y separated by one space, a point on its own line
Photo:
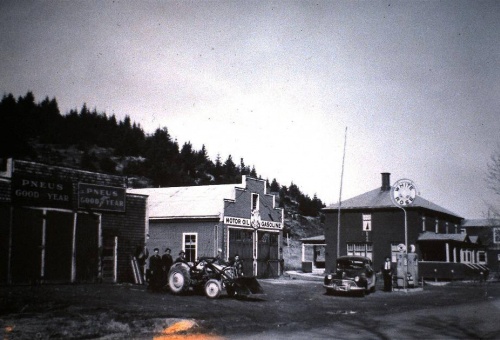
195 243
99 248
73 249
44 241
115 260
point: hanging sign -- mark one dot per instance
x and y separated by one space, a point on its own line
100 197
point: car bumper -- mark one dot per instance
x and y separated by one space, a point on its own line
343 286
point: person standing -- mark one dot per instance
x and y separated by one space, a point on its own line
387 274
155 269
238 266
166 263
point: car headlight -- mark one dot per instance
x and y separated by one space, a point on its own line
329 277
356 279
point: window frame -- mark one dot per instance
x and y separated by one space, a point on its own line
360 249
394 252
187 250
482 257
255 202
496 235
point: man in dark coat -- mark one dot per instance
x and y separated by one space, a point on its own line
387 274
156 272
182 257
166 263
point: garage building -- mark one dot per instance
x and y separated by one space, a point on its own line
60 225
237 218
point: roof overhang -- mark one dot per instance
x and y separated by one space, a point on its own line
185 218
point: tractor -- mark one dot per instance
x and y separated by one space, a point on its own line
209 276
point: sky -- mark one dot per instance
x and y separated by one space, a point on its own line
405 87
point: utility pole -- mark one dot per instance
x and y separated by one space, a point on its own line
340 196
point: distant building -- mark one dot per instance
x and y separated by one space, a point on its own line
372 226
313 254
60 225
237 218
488 232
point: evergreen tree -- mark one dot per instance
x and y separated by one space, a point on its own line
230 171
253 172
275 187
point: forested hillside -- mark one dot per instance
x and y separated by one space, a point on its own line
94 141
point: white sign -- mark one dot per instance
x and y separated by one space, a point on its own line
367 222
270 224
245 222
403 192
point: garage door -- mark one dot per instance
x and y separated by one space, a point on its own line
58 246
87 248
27 229
267 255
240 242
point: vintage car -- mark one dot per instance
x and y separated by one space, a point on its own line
353 274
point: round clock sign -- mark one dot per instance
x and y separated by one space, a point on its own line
404 192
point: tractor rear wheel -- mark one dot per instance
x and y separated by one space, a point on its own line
213 288
178 279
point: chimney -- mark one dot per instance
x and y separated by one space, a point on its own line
386 181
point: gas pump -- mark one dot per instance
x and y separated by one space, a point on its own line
406 268
412 270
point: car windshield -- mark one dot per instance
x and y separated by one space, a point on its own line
350 264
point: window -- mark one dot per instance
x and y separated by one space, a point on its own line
189 243
240 235
481 257
437 226
367 222
496 235
465 256
360 249
394 252
255 202
423 223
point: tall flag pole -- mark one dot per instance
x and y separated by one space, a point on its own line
340 196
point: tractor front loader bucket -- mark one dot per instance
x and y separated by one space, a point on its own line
247 285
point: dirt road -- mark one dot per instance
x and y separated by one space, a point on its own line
289 309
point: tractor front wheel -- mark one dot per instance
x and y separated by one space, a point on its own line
213 289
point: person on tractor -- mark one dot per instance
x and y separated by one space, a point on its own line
218 259
181 258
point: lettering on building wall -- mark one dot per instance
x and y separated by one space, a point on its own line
99 197
245 222
31 191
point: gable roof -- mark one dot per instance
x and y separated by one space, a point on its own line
206 201
378 198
